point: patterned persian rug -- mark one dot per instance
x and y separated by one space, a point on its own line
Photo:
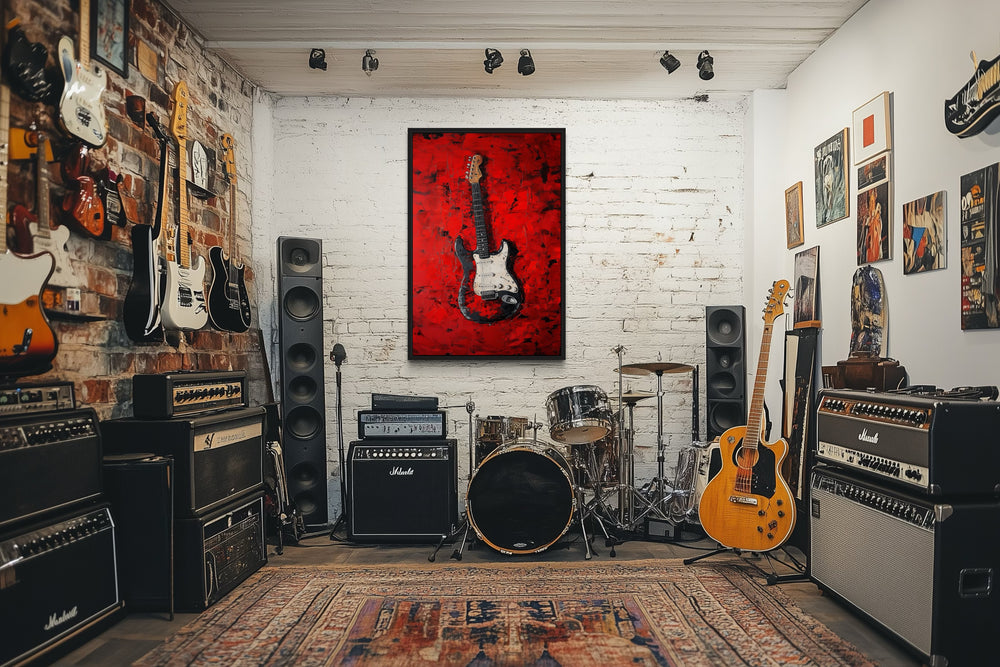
506 614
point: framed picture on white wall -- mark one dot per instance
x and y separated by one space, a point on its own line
831 178
872 128
793 216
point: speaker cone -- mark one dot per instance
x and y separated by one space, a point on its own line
301 303
303 422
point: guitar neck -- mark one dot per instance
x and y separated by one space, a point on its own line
988 80
185 247
755 419
482 233
42 189
4 152
84 55
232 221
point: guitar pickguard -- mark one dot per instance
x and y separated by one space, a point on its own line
764 472
63 274
489 292
184 301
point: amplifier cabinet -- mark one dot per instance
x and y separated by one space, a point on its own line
215 553
48 462
924 571
402 491
57 583
217 457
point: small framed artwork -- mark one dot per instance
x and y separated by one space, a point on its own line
874 211
831 177
872 128
793 216
486 243
806 286
925 229
109 34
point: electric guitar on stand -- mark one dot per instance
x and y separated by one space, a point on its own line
489 292
748 505
228 303
184 298
81 112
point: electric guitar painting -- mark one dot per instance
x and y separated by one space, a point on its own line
489 291
184 298
973 108
81 112
228 303
748 504
27 341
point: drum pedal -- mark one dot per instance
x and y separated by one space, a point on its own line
660 530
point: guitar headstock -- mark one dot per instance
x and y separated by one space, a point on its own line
178 120
229 157
776 301
154 122
473 173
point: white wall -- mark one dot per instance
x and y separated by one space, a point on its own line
919 51
654 232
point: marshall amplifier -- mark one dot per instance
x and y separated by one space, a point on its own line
57 584
215 553
402 491
48 461
925 571
217 457
162 395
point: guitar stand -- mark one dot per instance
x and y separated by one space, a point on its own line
771 577
462 528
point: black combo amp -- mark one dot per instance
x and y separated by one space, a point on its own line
217 457
57 584
215 553
48 462
402 491
922 569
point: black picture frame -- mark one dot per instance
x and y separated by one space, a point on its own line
109 32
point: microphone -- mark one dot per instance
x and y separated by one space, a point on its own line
339 354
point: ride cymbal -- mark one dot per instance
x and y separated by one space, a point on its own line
656 367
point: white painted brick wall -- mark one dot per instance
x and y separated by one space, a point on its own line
654 232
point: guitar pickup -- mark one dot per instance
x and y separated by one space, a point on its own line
490 295
743 500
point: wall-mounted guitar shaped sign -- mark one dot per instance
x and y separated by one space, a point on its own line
184 298
43 237
973 108
228 304
748 504
489 292
81 112
141 311
27 342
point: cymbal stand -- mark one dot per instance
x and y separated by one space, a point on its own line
627 516
463 525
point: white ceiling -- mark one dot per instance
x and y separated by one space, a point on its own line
597 49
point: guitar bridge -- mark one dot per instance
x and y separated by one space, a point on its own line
742 500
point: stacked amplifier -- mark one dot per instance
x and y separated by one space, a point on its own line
402 473
195 425
905 500
58 576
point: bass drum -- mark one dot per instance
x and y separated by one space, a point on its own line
520 499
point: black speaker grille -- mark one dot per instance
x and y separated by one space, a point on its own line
724 367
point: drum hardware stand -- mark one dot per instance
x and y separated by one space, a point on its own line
463 525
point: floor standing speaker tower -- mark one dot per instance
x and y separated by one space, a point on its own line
303 410
725 343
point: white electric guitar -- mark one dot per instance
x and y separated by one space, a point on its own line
45 238
81 112
183 304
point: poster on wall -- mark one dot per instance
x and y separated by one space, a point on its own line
793 216
980 239
831 182
874 211
925 230
806 288
872 128
486 243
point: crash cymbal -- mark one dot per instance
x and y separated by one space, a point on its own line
656 367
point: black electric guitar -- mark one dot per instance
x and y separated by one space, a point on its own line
748 504
489 292
141 311
228 303
974 107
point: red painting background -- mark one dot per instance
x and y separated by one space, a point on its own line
523 201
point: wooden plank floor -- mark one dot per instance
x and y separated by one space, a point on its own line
138 633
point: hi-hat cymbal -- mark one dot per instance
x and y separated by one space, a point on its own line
656 367
633 396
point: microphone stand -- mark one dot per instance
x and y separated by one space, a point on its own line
339 356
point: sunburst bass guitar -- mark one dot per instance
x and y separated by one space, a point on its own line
748 505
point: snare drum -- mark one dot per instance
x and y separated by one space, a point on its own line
578 414
520 499
492 432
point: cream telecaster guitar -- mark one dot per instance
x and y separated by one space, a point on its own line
81 112
183 304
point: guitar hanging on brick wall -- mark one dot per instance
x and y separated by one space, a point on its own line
748 504
489 292
82 206
141 311
228 303
81 112
184 298
27 341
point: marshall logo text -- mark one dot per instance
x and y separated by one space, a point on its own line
55 621
397 471
864 436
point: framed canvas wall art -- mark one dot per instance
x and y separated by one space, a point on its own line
832 184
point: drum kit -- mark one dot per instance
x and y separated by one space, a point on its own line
525 492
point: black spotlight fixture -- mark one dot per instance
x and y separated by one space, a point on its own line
369 63
525 64
705 62
669 62
317 59
493 60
